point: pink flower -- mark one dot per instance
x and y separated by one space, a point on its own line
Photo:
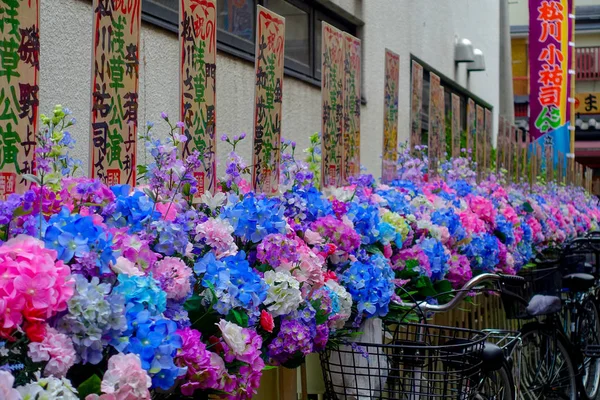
174 277
217 233
459 270
56 348
125 379
6 387
167 210
312 237
33 285
202 370
483 208
244 186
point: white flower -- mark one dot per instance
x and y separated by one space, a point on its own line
345 303
283 295
48 388
234 336
124 266
213 201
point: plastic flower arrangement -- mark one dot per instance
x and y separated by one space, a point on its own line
121 292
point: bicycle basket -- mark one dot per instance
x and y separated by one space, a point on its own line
546 280
420 361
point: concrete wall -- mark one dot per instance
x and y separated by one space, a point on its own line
425 28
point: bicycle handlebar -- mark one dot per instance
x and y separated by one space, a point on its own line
462 293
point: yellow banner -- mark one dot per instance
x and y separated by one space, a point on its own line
587 103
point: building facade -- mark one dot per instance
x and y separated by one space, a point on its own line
587 74
427 30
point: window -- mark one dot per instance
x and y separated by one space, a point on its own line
236 30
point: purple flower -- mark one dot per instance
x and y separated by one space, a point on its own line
164 115
224 138
243 136
180 124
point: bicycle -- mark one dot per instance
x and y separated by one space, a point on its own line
421 361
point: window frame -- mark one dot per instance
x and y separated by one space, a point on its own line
166 18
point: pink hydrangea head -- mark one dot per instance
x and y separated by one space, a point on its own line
174 277
168 211
483 208
471 222
217 233
7 392
33 284
57 350
459 270
125 378
201 373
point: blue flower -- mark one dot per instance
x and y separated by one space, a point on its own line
448 218
254 217
370 284
143 291
462 187
438 260
131 210
366 221
483 252
234 282
505 230
396 201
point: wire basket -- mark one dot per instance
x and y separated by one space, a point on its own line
420 361
545 280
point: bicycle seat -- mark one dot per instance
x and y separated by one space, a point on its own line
543 305
492 357
578 282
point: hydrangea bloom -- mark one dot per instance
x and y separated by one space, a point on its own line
124 379
48 388
370 284
174 277
217 234
293 337
57 350
94 317
283 295
34 286
254 217
201 371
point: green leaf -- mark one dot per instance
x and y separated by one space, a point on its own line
373 249
425 287
90 386
239 318
527 207
269 367
32 178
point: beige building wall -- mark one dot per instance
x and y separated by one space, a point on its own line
424 28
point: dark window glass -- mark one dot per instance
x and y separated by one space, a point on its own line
297 38
237 18
236 21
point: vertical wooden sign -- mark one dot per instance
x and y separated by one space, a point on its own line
480 146
390 115
197 86
581 174
471 127
435 123
268 95
416 105
525 147
500 145
455 125
442 144
538 156
19 69
352 62
570 174
489 126
549 156
518 151
115 81
560 168
332 103
510 151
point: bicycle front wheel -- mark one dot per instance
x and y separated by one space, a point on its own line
589 331
497 385
547 371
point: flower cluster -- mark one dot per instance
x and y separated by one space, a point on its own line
121 292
